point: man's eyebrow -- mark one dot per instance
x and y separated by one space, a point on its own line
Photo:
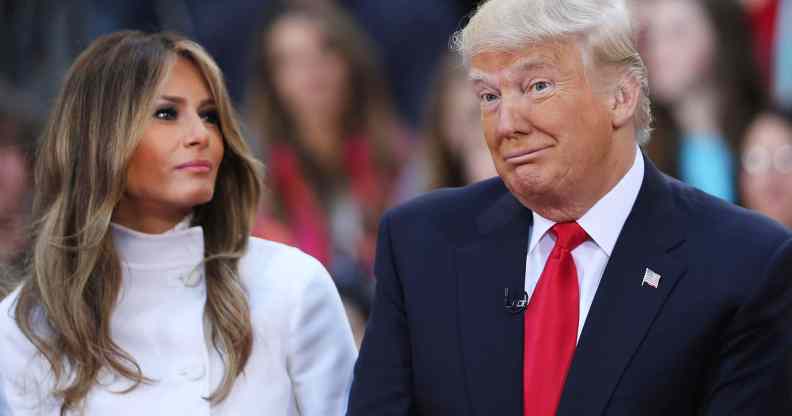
531 64
480 77
522 65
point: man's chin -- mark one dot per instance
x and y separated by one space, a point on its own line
528 180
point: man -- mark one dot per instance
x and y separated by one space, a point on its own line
642 296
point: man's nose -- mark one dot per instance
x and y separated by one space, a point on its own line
511 120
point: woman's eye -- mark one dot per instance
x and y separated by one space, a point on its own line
167 113
211 117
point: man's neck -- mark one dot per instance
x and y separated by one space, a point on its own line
579 199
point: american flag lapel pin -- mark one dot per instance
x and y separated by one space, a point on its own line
651 278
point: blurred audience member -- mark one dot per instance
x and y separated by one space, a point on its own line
763 18
767 166
16 138
705 88
356 297
321 111
412 36
453 152
39 39
771 21
782 85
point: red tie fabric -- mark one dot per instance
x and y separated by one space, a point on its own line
551 324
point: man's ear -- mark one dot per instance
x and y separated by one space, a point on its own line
624 101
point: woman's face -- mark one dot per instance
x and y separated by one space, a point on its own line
767 169
679 43
175 164
462 116
462 124
310 76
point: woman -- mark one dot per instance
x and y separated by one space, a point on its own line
146 295
766 177
319 108
705 89
15 178
453 151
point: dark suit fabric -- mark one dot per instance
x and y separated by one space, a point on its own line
710 340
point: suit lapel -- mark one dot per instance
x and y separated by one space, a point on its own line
492 337
623 308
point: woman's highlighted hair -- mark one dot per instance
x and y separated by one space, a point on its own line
67 298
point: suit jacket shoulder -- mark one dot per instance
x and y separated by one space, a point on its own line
718 218
457 215
728 238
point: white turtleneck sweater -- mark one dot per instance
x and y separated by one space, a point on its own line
302 357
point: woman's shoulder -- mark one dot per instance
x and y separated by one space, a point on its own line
281 281
15 348
277 268
8 325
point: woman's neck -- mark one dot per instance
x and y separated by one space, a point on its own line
146 220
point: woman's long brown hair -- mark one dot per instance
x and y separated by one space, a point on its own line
66 301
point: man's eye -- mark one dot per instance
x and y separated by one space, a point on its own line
488 98
540 86
167 113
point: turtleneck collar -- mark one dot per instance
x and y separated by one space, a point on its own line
182 245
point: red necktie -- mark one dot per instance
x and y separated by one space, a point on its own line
551 324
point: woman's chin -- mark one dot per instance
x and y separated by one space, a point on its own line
198 197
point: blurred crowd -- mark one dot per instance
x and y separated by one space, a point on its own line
357 105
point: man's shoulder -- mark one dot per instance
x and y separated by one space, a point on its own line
723 223
448 203
451 214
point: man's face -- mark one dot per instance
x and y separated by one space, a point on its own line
548 129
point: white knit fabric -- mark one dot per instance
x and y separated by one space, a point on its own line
303 352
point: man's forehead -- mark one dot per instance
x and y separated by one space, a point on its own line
543 55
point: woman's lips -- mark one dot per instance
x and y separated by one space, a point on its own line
196 166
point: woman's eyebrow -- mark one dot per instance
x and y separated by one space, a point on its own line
209 101
174 99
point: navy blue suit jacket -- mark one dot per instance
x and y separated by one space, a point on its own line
710 340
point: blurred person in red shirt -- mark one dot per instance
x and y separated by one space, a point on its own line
320 108
14 186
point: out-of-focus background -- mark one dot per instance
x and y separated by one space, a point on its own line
357 105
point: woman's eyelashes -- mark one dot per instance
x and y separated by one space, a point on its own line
170 113
166 113
211 116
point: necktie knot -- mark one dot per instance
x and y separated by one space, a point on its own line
569 235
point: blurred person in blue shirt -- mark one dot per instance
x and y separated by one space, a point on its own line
705 87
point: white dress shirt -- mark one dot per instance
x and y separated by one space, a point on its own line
603 223
303 352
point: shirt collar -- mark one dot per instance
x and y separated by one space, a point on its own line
603 222
179 246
